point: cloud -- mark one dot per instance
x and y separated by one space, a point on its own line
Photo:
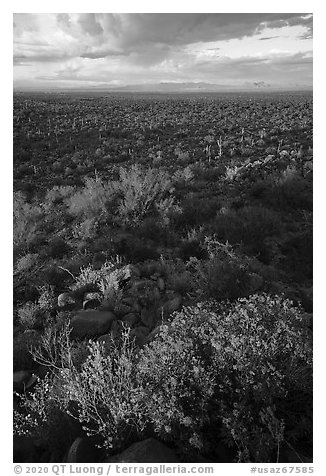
148 37
267 38
125 48
261 84
89 24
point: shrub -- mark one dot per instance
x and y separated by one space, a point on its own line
140 190
47 300
192 248
28 315
26 262
58 194
248 225
196 211
230 368
103 387
91 200
57 247
45 419
22 346
27 221
224 275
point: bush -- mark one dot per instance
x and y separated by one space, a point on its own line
22 345
57 247
29 315
224 275
92 200
230 368
237 372
45 419
96 386
26 223
140 191
249 225
196 211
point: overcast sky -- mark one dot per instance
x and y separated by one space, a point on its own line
88 50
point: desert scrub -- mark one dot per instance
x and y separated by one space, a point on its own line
29 315
225 274
104 280
91 201
27 221
229 367
102 383
142 192
43 417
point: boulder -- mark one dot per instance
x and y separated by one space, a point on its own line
91 323
306 295
121 309
20 380
130 271
130 319
24 449
146 291
256 282
146 451
83 450
139 334
149 316
91 301
170 306
161 284
106 339
116 329
65 300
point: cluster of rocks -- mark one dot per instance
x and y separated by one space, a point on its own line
144 303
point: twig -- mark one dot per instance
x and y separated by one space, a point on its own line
69 272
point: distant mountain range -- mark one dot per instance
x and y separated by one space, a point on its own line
173 87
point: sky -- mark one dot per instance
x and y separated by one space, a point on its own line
94 50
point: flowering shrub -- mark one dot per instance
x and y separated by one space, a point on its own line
238 373
230 366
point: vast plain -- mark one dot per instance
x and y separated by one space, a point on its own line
163 276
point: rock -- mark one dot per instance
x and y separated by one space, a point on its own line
83 451
308 320
106 339
130 271
66 300
139 334
149 317
170 306
288 455
98 260
116 329
130 319
106 305
91 301
146 451
91 323
121 309
24 449
256 282
146 291
20 380
161 284
306 295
